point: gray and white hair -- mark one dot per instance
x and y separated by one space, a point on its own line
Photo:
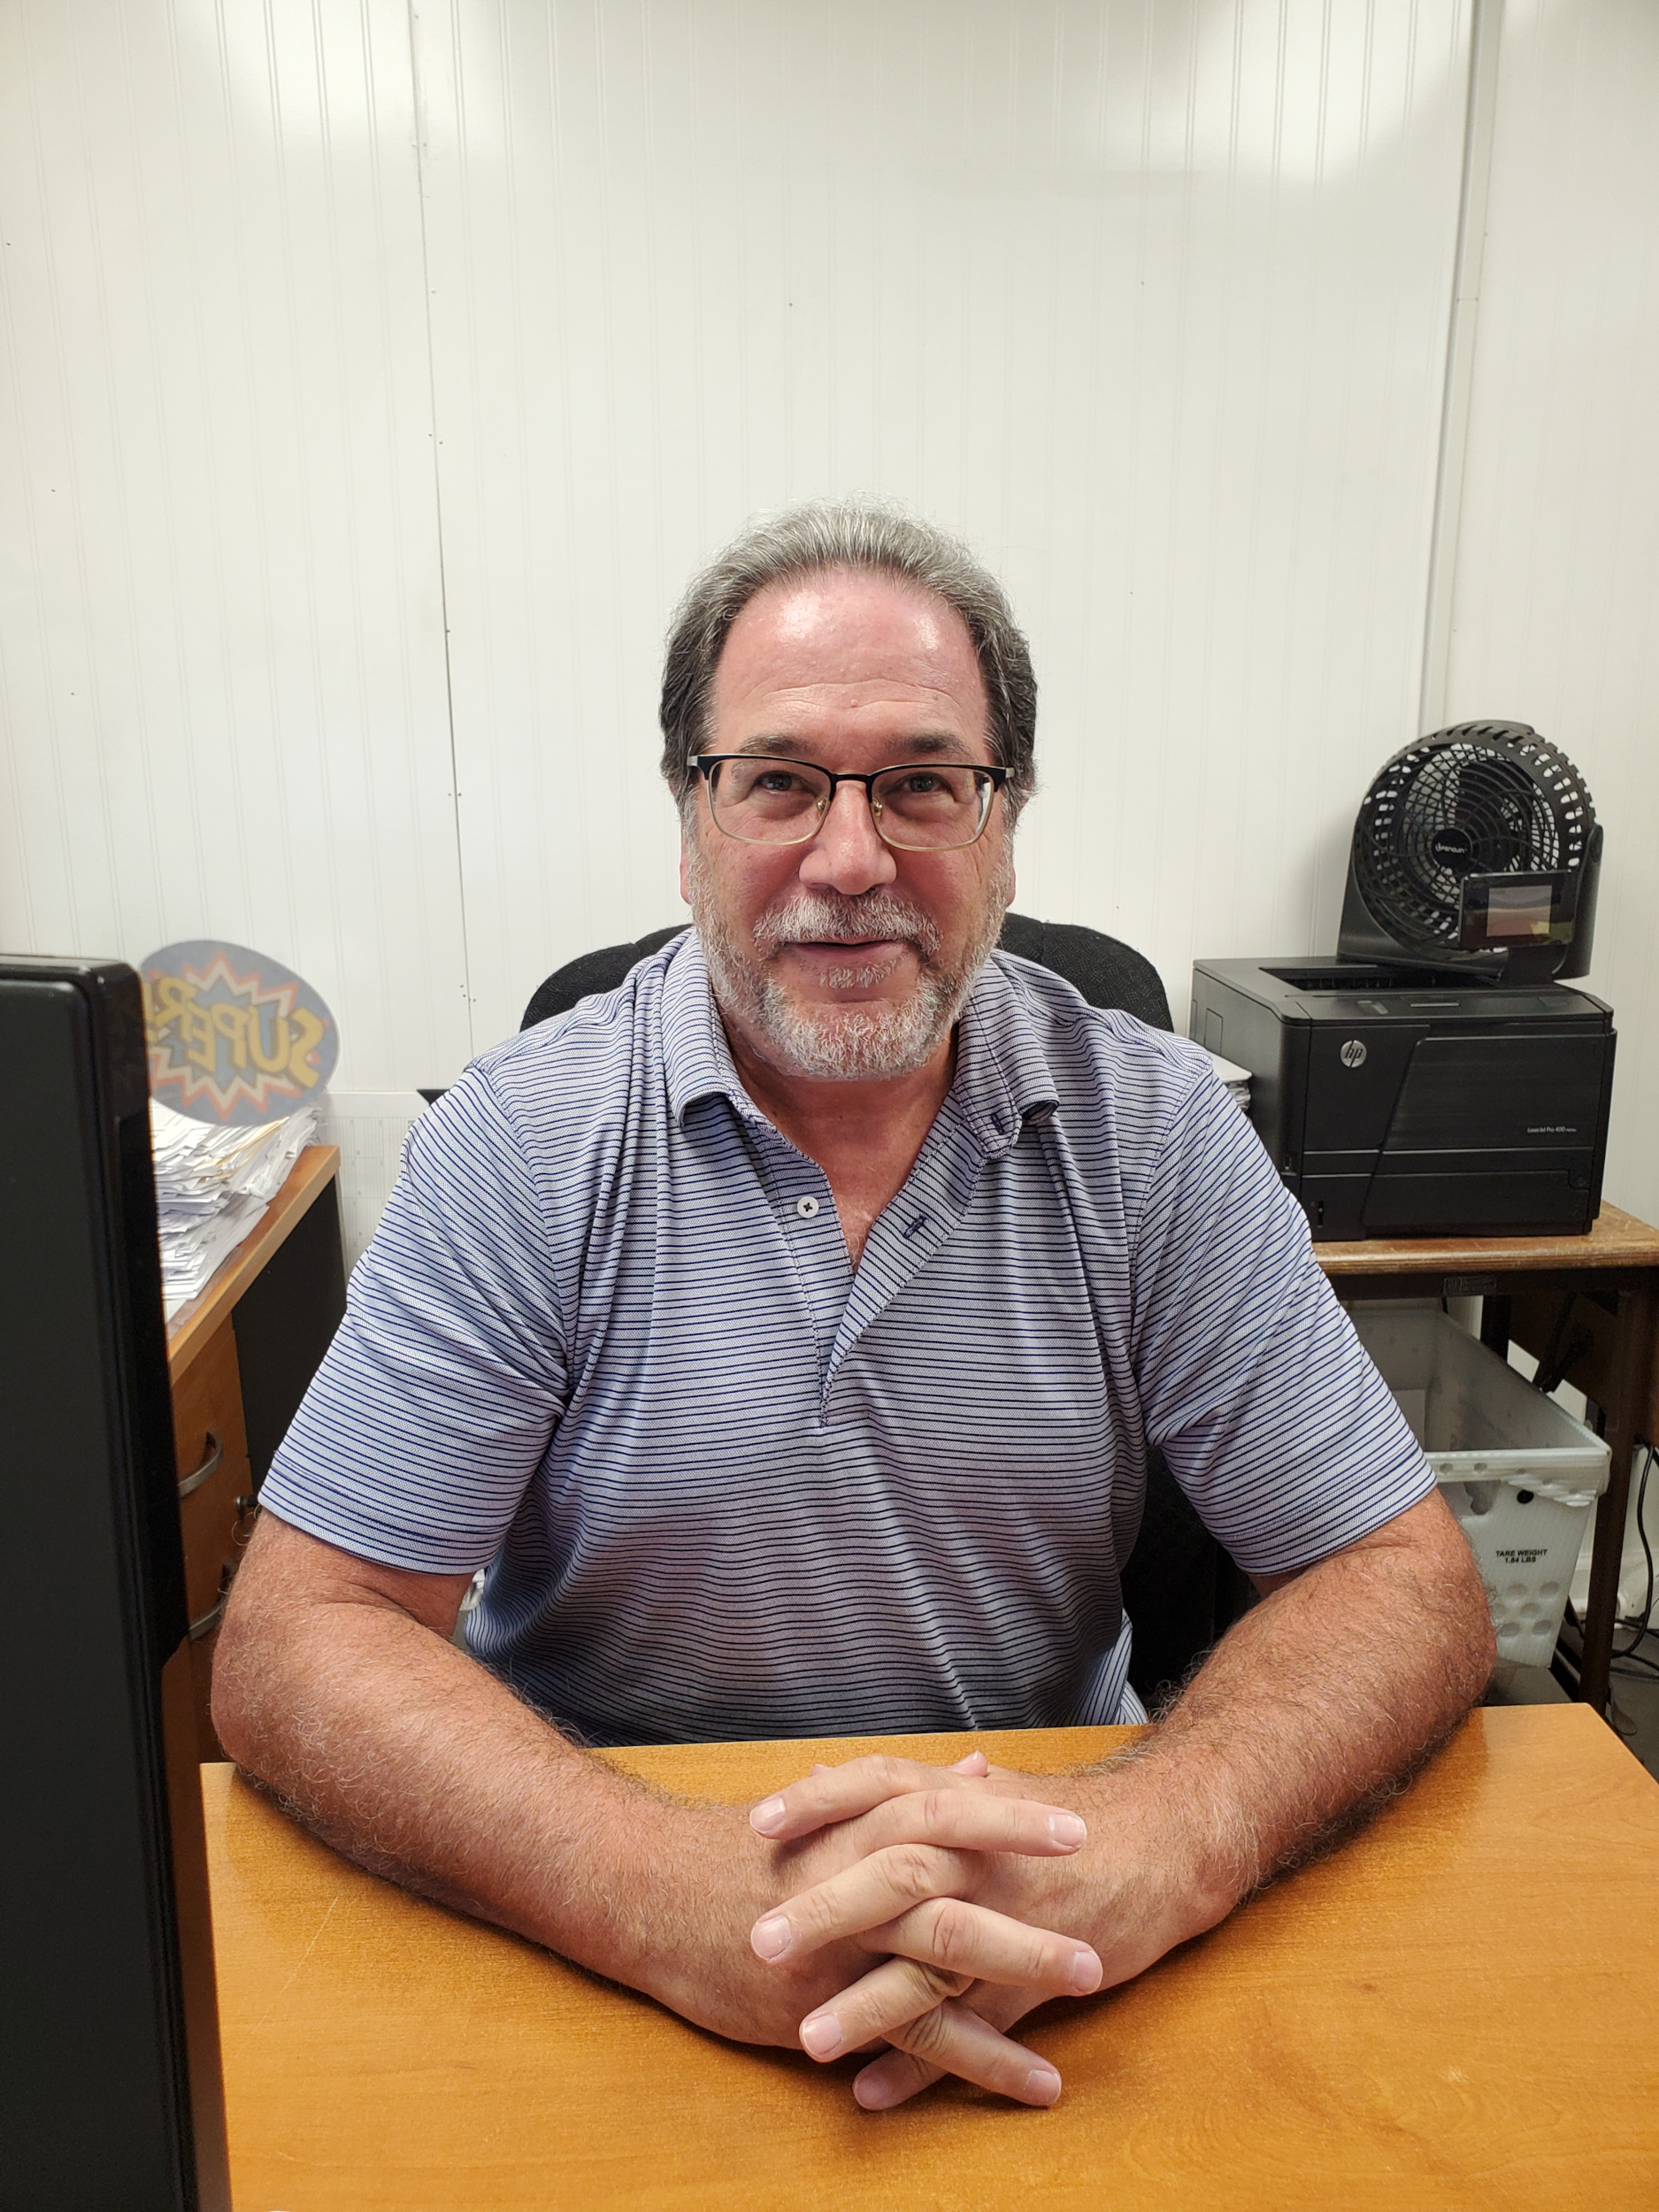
848 533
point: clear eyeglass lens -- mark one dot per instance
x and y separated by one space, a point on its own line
769 802
782 802
935 806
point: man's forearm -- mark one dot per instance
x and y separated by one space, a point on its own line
1307 1714
1317 1705
407 1756
336 1685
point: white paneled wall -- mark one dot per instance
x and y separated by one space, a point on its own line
370 1130
220 596
1556 605
1149 301
376 374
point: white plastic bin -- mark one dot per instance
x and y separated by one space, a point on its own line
1521 1475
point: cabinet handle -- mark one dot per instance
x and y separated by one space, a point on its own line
209 1468
209 1621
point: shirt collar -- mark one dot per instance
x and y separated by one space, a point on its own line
696 1057
1003 1079
1002 1076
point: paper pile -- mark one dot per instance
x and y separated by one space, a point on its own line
212 1187
1236 1079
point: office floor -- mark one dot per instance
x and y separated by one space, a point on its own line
1635 1697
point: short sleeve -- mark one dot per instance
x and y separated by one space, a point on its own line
1253 1383
449 1374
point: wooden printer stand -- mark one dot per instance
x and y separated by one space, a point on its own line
1587 1308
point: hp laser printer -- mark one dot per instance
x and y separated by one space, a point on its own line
1397 1103
1436 1076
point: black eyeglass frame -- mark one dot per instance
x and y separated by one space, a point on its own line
992 780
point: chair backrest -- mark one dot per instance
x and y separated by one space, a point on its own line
1180 1589
1108 973
591 975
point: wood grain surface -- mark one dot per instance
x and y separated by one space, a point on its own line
1452 2011
1616 1240
192 1328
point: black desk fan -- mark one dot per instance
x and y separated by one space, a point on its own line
1475 848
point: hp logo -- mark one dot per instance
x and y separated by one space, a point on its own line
1354 1053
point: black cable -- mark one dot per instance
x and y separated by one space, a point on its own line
1645 1615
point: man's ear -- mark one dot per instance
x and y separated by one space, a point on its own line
685 835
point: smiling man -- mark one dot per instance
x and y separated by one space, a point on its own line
786 1331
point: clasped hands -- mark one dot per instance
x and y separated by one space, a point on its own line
955 1872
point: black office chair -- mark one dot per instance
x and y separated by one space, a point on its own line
1180 1588
1106 972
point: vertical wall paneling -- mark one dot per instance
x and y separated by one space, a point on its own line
370 1129
313 314
1554 613
220 622
1479 129
1149 300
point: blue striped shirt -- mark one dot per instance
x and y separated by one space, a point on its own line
608 1342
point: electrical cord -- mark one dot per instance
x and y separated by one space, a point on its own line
1628 1662
1640 1621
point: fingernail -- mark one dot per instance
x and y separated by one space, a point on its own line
771 1936
875 2096
768 1816
1085 1973
972 1765
1042 2085
821 2036
1066 1829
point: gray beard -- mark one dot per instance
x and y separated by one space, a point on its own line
842 1044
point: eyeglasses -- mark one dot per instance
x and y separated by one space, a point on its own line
919 807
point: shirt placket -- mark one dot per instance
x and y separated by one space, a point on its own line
919 1221
804 1205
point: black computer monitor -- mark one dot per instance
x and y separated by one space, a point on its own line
109 2093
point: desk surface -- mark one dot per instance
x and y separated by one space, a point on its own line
192 1327
1454 2010
1616 1240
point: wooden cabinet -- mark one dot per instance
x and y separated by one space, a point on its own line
241 1356
216 1502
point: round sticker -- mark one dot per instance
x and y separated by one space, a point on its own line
235 1037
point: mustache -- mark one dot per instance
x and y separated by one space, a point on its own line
830 917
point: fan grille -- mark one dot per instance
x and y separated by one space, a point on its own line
1482 799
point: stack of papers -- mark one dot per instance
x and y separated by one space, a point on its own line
1236 1079
212 1187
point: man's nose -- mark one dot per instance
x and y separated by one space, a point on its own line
847 855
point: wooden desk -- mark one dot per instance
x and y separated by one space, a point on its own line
1589 1307
239 1356
1452 2012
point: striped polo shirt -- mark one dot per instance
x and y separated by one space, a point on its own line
607 1343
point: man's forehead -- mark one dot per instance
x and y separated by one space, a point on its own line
858 636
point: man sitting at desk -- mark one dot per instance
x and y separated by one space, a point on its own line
787 1330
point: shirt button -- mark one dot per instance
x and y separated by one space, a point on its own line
806 1207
